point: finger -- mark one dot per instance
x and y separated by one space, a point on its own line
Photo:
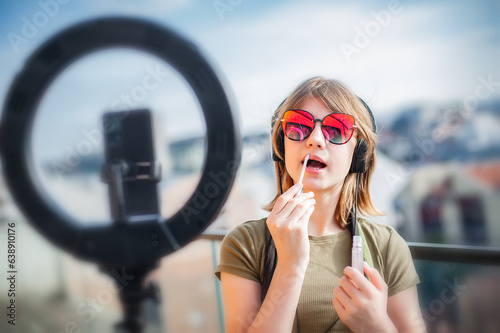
349 287
342 296
339 307
374 276
307 216
285 198
301 209
293 190
357 278
303 222
291 205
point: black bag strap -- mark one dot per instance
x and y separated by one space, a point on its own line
270 257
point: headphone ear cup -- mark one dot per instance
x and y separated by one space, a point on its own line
280 146
358 163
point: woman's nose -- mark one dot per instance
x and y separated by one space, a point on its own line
316 138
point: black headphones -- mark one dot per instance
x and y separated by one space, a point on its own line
358 163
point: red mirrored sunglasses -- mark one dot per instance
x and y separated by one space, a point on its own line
336 127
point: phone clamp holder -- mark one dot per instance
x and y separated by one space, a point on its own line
131 171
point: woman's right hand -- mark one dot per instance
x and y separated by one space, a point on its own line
288 223
243 306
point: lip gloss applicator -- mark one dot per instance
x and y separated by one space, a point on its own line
303 171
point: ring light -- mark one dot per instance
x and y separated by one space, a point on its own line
132 244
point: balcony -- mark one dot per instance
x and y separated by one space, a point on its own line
459 289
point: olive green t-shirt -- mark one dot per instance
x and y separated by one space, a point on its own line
243 252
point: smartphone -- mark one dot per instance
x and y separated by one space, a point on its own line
129 149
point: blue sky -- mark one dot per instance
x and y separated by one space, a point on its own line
424 52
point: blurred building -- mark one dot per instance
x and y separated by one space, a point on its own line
451 203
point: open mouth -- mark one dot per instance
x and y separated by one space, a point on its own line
315 164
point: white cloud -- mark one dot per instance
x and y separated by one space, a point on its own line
417 57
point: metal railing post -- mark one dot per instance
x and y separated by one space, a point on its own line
217 288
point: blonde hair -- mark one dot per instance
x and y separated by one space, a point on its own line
336 96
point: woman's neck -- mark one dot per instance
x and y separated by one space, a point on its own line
322 221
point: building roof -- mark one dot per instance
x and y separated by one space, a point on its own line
486 172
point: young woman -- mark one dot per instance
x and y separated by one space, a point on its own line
310 286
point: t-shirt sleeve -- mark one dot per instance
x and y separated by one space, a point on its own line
399 270
239 253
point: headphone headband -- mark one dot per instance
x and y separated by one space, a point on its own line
370 112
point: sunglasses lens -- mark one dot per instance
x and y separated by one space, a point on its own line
338 128
297 125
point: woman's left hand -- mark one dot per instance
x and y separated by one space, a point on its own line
361 304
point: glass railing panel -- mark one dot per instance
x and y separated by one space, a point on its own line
456 297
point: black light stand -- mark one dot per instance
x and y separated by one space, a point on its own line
132 174
139 237
133 294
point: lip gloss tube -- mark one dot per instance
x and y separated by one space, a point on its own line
357 253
